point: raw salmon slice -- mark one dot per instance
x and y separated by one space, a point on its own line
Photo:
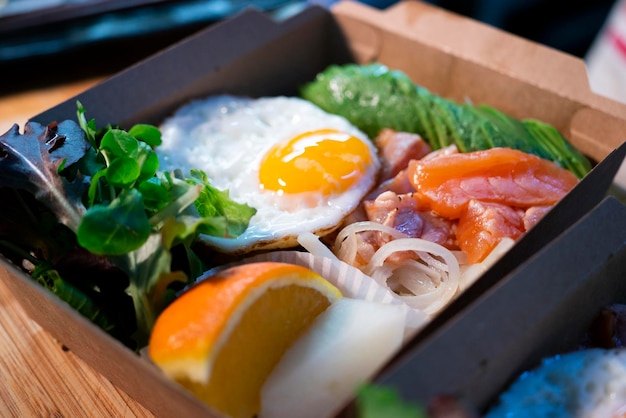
482 225
497 175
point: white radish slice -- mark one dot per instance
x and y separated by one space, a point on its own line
345 346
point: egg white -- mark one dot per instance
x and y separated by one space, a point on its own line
228 136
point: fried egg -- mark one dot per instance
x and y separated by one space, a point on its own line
302 169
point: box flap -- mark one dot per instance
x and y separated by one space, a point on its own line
464 59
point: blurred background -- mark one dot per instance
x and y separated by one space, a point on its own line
53 41
47 43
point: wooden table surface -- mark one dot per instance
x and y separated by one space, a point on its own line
38 376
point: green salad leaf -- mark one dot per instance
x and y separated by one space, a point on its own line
376 401
214 203
373 97
117 228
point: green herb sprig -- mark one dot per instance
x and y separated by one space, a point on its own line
376 401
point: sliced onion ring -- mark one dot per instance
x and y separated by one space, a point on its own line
430 302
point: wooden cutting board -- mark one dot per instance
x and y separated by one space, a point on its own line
41 378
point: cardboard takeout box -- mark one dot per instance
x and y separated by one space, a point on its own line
251 54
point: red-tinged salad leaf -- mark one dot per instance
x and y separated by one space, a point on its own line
32 237
32 162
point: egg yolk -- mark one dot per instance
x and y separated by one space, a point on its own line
325 161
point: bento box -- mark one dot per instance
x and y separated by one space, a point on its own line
251 54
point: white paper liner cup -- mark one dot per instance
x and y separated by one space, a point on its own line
349 280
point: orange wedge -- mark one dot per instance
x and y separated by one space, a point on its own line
222 338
